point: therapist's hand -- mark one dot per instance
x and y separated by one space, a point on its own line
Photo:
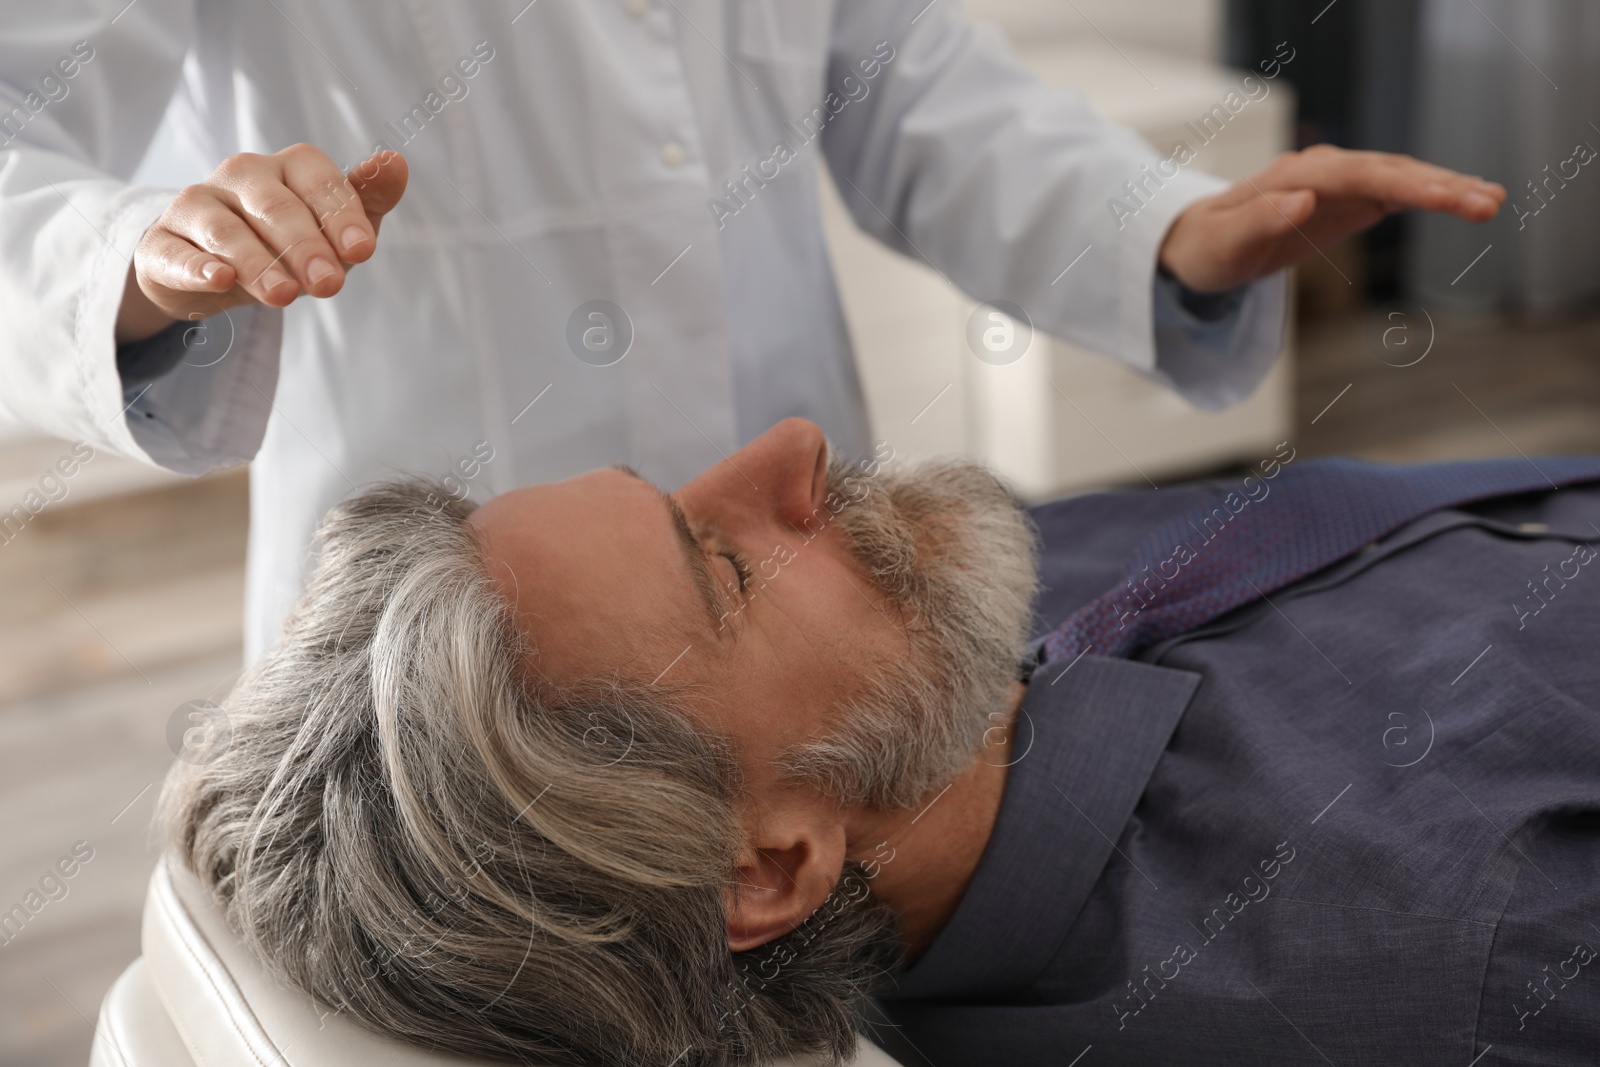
261 229
1304 201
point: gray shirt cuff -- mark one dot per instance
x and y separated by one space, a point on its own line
142 362
1215 348
1205 307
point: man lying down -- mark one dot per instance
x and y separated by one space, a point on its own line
1299 768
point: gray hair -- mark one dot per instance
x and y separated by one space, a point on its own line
409 829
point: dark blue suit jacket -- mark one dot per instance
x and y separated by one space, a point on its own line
1359 824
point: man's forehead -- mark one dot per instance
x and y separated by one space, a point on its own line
583 559
543 528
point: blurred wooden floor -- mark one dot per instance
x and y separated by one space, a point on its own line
118 611
1484 390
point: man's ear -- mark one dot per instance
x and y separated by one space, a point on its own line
784 873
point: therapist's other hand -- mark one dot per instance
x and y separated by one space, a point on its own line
261 229
1306 200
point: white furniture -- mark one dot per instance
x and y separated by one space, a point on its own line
1060 418
1189 28
199 998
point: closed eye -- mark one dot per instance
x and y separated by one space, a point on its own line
741 566
701 574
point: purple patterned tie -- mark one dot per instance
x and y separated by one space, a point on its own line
1211 560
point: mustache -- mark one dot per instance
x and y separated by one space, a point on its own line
922 534
879 537
952 549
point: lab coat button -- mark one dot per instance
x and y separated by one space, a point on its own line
672 153
638 8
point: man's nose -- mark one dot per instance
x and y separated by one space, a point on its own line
781 474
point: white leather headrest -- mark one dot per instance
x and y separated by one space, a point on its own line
230 1010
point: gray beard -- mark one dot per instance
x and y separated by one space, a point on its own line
953 551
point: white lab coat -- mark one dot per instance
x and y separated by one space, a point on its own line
580 161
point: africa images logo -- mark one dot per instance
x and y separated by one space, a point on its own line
198 732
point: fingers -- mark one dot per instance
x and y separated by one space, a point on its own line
334 204
1277 214
266 228
170 278
1402 182
380 182
1396 182
204 217
1304 201
1482 204
173 263
282 219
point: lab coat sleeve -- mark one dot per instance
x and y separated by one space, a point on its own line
960 158
69 222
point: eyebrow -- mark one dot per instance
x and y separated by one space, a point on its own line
694 556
